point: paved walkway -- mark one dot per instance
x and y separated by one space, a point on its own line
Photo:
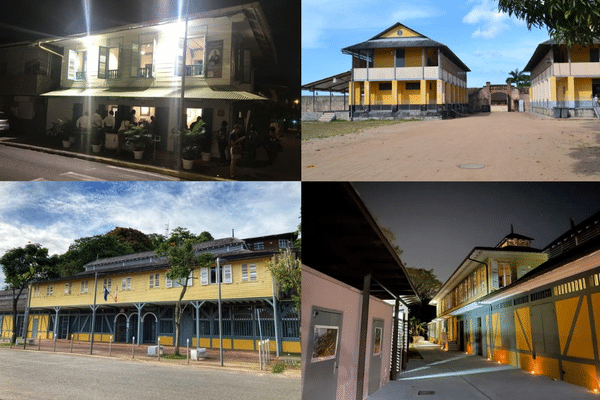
481 147
454 375
285 168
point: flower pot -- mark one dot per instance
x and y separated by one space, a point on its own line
66 144
205 157
187 164
138 154
96 148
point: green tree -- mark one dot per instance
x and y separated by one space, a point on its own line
179 250
139 241
568 21
391 237
156 239
519 78
425 283
22 266
287 272
88 249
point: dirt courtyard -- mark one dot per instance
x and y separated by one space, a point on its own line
482 147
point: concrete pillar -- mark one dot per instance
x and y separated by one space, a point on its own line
552 94
570 92
367 93
351 91
440 92
395 95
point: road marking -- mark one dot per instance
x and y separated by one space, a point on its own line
167 177
81 177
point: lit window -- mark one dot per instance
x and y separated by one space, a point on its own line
504 275
77 67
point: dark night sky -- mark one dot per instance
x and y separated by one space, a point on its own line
438 224
34 19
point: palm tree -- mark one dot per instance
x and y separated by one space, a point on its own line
519 78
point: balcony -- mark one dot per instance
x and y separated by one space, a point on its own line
589 69
113 74
145 72
395 74
194 70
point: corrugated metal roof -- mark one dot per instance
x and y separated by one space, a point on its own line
404 42
158 92
335 83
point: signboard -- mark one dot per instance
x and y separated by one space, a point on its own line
214 62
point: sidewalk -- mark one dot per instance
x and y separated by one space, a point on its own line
233 360
285 168
454 375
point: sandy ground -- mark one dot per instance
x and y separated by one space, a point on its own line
510 146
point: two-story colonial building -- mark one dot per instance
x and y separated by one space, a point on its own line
140 67
484 270
134 298
564 77
400 73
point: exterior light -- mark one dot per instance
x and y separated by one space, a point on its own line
595 391
499 362
532 372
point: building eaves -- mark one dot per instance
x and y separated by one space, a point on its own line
541 50
405 42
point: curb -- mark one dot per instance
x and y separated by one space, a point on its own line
125 164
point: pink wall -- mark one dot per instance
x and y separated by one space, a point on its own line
323 291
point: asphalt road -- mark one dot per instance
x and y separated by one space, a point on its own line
33 375
27 165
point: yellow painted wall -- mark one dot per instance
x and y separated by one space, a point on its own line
290 347
580 54
7 326
243 344
581 341
383 58
167 340
523 329
562 87
413 57
406 32
140 290
583 89
380 96
580 374
356 92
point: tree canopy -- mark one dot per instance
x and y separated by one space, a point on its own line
425 282
139 241
519 78
288 273
569 21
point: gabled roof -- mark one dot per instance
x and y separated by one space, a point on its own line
381 41
543 49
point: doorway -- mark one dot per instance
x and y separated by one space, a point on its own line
461 335
478 338
321 373
375 361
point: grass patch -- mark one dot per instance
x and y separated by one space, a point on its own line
4 344
321 130
278 368
174 356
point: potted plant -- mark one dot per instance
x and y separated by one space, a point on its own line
68 129
97 139
189 154
202 138
138 137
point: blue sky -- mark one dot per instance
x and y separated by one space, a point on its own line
490 43
54 214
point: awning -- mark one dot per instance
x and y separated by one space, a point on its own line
158 92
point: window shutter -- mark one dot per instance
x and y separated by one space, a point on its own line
227 274
190 281
151 281
71 67
204 276
135 59
244 272
253 276
103 62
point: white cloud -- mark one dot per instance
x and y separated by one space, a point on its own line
491 21
318 16
55 214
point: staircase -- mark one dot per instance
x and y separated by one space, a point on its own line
327 117
452 346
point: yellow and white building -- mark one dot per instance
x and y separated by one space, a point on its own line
564 77
545 321
140 301
400 73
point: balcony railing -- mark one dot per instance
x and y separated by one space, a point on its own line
193 70
80 75
113 74
589 69
394 74
145 72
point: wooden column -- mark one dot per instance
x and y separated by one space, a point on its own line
362 343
